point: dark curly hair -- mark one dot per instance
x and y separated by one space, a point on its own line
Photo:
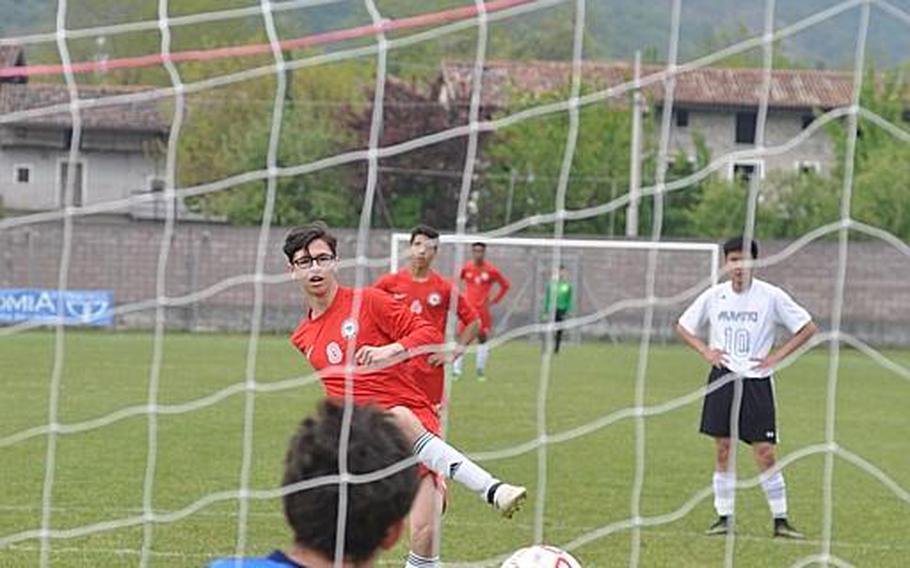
375 443
303 237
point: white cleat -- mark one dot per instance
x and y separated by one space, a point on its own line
509 498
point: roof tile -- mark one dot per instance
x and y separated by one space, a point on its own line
797 89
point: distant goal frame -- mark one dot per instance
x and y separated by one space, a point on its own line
544 242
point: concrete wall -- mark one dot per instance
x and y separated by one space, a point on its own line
718 127
208 264
108 174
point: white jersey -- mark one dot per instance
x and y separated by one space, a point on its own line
743 324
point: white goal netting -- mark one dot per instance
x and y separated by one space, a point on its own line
223 286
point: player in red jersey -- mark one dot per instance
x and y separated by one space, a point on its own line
479 275
369 334
427 293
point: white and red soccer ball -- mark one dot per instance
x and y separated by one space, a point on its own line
541 556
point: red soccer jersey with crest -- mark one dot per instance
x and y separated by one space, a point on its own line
479 281
325 341
430 299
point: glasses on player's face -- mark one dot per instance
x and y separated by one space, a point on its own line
307 262
427 246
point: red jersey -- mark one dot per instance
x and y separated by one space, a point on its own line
325 342
429 298
479 281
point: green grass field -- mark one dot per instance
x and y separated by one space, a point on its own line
100 473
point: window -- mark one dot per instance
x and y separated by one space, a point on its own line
745 127
808 167
745 170
682 117
76 194
22 174
157 185
807 120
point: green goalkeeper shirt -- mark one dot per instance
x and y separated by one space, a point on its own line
563 295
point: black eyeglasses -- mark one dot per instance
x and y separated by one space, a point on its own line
321 260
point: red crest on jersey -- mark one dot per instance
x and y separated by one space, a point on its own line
333 353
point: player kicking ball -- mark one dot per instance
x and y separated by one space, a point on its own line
428 293
741 315
380 332
479 276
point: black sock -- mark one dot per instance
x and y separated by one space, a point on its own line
491 492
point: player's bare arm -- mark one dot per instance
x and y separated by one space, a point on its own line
504 286
798 340
368 355
717 357
468 335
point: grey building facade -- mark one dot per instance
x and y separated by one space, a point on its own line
733 129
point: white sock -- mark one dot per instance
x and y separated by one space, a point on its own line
417 561
482 353
446 460
776 492
458 365
724 487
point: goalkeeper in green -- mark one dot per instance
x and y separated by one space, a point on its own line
561 291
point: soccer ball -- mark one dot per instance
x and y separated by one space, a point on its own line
541 556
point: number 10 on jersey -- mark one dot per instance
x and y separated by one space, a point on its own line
737 342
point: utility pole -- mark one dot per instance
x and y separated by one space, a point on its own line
512 176
635 165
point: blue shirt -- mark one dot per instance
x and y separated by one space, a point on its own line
276 559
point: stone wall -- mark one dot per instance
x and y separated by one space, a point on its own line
208 284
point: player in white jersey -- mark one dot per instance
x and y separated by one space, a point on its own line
741 315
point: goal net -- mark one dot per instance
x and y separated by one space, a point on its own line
151 164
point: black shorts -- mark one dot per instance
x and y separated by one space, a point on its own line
757 421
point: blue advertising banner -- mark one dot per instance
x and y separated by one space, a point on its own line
78 307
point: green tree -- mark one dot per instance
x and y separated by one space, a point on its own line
722 211
679 204
788 206
881 180
881 190
227 133
533 150
793 204
320 195
754 58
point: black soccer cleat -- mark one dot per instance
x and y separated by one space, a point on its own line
720 527
783 529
